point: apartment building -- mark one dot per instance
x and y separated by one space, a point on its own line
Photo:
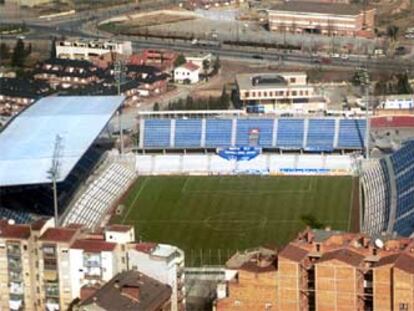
253 286
161 59
47 268
84 49
130 290
334 19
335 271
272 92
164 263
18 93
66 73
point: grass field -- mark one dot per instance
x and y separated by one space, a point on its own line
212 217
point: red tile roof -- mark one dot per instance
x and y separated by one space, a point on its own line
293 253
14 231
400 261
345 255
38 224
94 246
145 247
119 228
58 235
190 66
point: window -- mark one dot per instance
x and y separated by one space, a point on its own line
292 80
259 94
246 94
25 247
403 306
265 94
253 94
294 93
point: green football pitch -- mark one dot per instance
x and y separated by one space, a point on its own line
211 217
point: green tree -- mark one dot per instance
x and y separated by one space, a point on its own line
392 32
311 221
180 60
53 48
4 51
206 67
156 107
403 84
216 64
224 99
19 54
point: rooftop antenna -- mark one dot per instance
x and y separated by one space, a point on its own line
118 72
54 173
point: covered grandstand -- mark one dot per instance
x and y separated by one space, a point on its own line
28 148
387 189
323 134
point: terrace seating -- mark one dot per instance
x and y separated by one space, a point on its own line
351 133
157 133
403 157
290 133
18 216
218 133
247 129
188 133
100 195
321 133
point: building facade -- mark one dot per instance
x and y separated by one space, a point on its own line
187 74
164 263
84 49
330 270
47 268
336 19
278 91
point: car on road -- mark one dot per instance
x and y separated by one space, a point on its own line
257 56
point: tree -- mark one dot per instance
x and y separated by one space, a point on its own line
206 67
156 107
28 50
19 54
4 51
216 64
53 48
392 32
311 221
403 84
180 60
224 99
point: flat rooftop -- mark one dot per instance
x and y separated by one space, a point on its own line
27 143
321 8
265 80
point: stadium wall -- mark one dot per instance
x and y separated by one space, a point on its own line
387 189
263 164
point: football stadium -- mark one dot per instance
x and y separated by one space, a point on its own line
218 183
209 182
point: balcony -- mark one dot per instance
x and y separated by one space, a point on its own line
50 276
14 264
13 250
16 288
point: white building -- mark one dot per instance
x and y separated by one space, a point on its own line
83 49
48 267
187 73
397 102
276 92
165 263
199 58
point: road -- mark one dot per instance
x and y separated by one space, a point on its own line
77 26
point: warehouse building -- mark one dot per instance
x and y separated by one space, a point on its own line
336 19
